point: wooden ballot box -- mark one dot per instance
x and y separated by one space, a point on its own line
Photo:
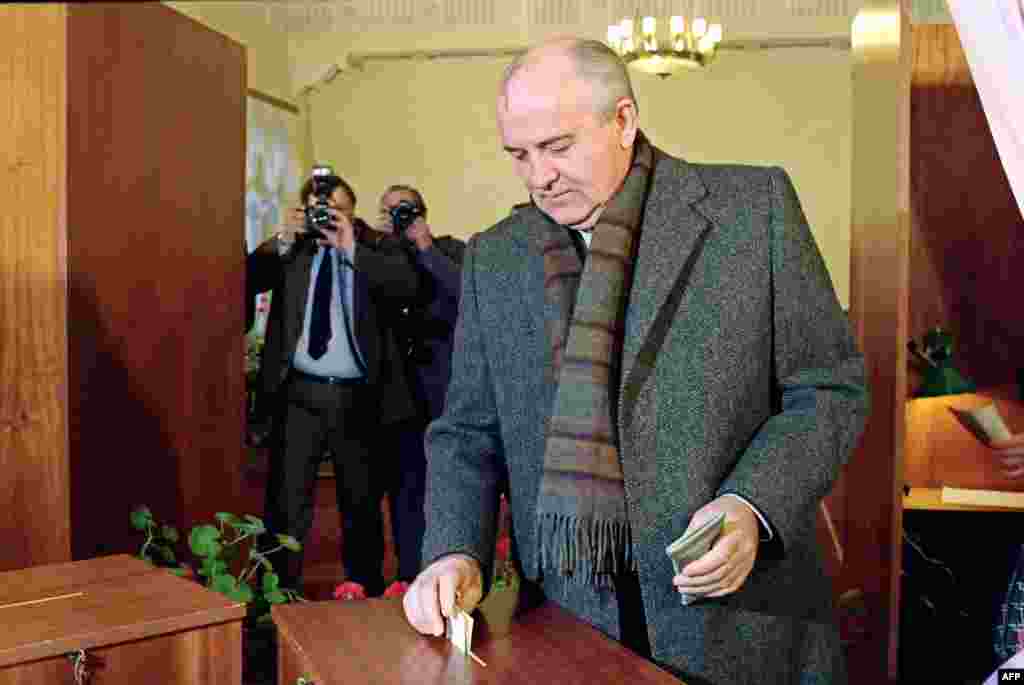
132 622
369 641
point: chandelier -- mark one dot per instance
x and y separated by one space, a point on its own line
676 46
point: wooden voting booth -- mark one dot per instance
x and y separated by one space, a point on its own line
121 294
370 641
117 620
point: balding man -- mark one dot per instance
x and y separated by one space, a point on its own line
650 343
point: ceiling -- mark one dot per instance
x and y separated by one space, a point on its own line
298 17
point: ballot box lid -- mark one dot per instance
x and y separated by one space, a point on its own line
61 608
370 641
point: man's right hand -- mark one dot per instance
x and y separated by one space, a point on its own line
293 225
433 596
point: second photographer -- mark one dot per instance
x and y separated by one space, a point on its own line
424 331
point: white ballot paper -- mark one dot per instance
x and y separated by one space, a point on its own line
693 545
459 629
984 423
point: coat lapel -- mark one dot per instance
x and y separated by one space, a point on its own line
531 240
681 212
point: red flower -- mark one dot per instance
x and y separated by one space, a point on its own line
503 547
396 589
350 590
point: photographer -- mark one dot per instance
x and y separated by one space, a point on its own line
332 365
424 331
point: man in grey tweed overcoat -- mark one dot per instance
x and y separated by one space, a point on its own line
650 343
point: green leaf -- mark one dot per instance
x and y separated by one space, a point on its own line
271 582
243 593
224 583
204 541
181 572
169 533
212 567
289 543
141 517
276 597
249 528
226 517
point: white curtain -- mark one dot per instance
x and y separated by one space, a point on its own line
992 34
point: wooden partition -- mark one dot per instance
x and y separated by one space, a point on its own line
965 263
34 527
878 271
122 339
935 238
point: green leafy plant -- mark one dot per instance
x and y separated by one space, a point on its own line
217 548
158 548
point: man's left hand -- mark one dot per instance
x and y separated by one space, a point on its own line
419 234
725 567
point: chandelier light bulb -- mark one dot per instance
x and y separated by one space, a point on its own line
684 44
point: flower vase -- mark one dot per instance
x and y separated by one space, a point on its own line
499 607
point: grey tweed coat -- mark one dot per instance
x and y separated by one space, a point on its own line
740 374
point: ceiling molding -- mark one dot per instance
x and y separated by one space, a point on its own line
358 60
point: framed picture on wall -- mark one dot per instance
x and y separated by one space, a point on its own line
272 176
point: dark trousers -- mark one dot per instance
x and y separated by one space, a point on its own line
405 483
316 417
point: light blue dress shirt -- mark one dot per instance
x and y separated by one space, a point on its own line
340 359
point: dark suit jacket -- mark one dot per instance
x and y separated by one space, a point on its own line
740 374
431 320
383 281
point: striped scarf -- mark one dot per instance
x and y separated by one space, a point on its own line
582 523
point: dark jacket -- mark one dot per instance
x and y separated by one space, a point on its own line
384 282
425 329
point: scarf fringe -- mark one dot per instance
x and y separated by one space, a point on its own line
585 551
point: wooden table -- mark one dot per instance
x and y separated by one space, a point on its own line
136 623
369 641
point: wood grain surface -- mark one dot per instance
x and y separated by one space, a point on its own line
34 528
123 600
370 641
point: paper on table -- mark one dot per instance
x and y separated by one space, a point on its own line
984 423
983 498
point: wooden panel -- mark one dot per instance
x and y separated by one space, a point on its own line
291 664
156 153
129 600
33 316
941 452
204 656
965 263
879 256
370 642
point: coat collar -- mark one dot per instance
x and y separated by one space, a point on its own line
680 212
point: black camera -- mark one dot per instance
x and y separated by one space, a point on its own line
403 215
318 219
